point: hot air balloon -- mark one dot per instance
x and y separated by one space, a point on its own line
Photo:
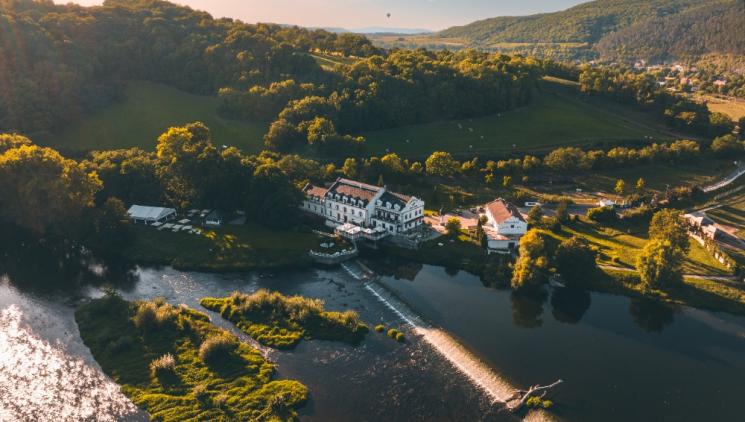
389 15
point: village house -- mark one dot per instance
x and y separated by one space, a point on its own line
700 222
141 214
505 226
360 209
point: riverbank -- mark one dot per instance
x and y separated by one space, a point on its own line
226 249
172 362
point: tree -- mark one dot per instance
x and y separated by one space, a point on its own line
112 232
741 125
44 192
602 214
273 199
575 260
349 169
441 164
531 265
660 264
283 136
727 146
535 216
506 182
667 225
187 163
562 211
641 185
452 226
620 188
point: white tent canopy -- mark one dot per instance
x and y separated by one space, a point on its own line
148 215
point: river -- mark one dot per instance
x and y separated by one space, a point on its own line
620 359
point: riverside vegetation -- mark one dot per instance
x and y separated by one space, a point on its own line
172 362
282 322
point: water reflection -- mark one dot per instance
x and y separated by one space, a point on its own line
651 315
527 307
569 305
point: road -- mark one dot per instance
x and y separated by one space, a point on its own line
739 171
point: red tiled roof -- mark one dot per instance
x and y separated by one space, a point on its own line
316 191
501 210
354 189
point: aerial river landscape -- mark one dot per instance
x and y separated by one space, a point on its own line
620 358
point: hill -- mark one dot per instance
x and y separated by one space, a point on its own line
148 110
639 26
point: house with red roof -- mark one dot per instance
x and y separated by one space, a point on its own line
505 226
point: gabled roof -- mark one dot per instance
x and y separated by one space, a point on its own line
357 190
317 191
395 198
142 212
502 210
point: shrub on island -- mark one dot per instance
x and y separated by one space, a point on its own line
166 374
283 321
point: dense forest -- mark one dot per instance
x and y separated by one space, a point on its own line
58 62
613 29
711 28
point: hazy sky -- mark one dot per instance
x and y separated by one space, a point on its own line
428 14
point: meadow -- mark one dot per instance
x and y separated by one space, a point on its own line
149 110
557 117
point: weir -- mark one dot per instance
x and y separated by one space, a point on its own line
483 376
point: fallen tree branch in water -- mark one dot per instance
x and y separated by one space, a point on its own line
518 399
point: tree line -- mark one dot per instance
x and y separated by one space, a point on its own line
61 61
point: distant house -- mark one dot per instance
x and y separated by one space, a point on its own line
720 83
213 219
699 221
141 214
606 203
505 226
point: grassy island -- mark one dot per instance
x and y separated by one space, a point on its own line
172 362
282 322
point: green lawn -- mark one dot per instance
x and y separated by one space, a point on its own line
620 246
731 213
227 248
149 110
557 117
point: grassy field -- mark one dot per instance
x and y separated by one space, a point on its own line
620 246
555 118
734 109
224 249
205 373
148 111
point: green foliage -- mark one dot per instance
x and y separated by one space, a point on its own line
668 225
532 263
453 227
379 328
727 146
41 191
441 164
660 264
575 260
535 216
282 322
217 348
602 214
240 388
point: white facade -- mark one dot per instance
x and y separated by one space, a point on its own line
149 215
366 206
505 226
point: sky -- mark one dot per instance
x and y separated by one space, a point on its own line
352 14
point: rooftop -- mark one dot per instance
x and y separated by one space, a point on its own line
142 212
501 210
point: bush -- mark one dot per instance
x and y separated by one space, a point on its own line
392 333
379 328
155 315
121 344
217 347
163 367
602 214
400 337
200 393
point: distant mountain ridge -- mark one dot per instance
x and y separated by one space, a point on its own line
379 30
648 29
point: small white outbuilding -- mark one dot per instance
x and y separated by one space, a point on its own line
141 214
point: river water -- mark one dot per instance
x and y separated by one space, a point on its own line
467 346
